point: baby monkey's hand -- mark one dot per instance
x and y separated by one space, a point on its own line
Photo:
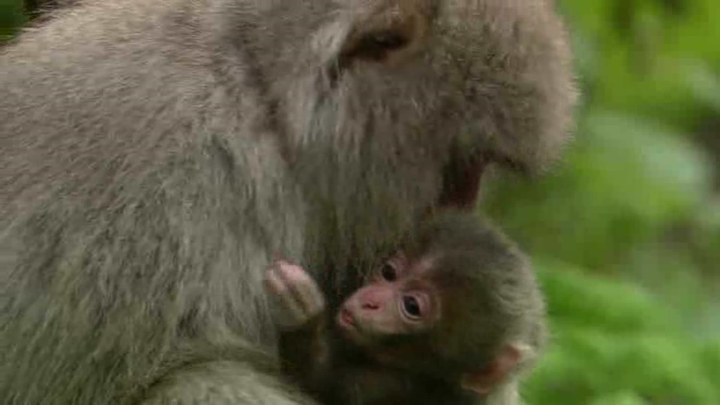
296 297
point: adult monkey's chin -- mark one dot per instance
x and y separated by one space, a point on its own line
461 182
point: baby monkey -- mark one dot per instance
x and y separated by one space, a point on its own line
450 318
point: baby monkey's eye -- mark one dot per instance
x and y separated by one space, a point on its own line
411 307
388 272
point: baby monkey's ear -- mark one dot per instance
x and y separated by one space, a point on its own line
484 381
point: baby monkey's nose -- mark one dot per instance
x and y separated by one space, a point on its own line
370 305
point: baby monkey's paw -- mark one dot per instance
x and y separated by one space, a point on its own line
296 298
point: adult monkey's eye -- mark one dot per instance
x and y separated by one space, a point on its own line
387 40
388 272
377 45
411 307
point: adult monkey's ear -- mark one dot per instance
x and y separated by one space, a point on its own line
376 31
386 31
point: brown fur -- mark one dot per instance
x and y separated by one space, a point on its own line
491 303
156 154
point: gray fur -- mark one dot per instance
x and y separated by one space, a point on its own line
156 154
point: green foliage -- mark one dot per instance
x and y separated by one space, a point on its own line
626 180
586 300
615 343
626 230
11 17
631 218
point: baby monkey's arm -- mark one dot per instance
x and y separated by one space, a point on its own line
300 316
305 348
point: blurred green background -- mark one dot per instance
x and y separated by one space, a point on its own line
625 232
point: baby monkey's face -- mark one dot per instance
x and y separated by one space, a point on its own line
399 299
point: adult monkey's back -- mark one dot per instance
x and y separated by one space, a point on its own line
157 154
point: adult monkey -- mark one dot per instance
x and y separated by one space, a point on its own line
157 154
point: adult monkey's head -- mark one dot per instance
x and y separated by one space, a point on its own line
395 107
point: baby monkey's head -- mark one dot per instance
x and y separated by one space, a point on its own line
457 301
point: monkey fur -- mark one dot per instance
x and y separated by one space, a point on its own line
155 155
482 324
